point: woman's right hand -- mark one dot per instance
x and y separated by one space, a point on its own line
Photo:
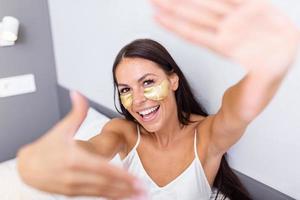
56 163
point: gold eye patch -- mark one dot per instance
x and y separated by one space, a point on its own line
126 100
156 93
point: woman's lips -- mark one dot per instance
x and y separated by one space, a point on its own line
151 116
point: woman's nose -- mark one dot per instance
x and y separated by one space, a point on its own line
138 97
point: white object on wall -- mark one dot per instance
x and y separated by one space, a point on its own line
9 28
17 85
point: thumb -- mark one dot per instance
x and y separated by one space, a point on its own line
70 123
79 105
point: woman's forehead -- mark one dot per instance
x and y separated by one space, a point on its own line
133 69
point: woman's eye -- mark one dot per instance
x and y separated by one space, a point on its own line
124 90
148 82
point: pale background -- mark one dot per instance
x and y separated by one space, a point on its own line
87 35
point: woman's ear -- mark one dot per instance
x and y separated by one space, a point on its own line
174 80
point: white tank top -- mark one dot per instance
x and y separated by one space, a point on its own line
191 184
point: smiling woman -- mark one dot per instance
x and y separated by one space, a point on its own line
167 141
142 66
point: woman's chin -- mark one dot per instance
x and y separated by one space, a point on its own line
151 128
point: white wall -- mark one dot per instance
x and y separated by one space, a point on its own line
88 34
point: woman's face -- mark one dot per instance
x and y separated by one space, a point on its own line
134 75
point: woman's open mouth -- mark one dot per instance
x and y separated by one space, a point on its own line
149 114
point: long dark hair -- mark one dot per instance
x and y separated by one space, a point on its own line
226 181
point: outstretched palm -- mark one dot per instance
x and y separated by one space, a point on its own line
250 32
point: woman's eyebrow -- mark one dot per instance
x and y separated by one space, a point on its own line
139 80
122 84
143 77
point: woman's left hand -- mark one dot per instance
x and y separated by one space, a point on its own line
252 33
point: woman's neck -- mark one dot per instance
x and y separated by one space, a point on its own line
169 133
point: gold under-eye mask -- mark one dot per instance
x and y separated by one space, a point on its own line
126 100
156 93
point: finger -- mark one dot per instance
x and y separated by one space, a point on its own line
217 7
94 191
235 2
190 32
116 173
82 160
78 111
85 183
70 123
189 12
79 104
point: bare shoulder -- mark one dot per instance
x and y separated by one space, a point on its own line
120 126
201 124
115 137
125 129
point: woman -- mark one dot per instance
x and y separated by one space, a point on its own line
167 140
171 122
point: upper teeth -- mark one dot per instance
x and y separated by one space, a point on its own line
146 112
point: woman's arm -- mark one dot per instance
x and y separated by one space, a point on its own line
251 33
241 103
56 163
110 141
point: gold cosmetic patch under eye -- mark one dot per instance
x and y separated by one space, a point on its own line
126 100
158 92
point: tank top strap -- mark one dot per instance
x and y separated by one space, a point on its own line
138 137
195 145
